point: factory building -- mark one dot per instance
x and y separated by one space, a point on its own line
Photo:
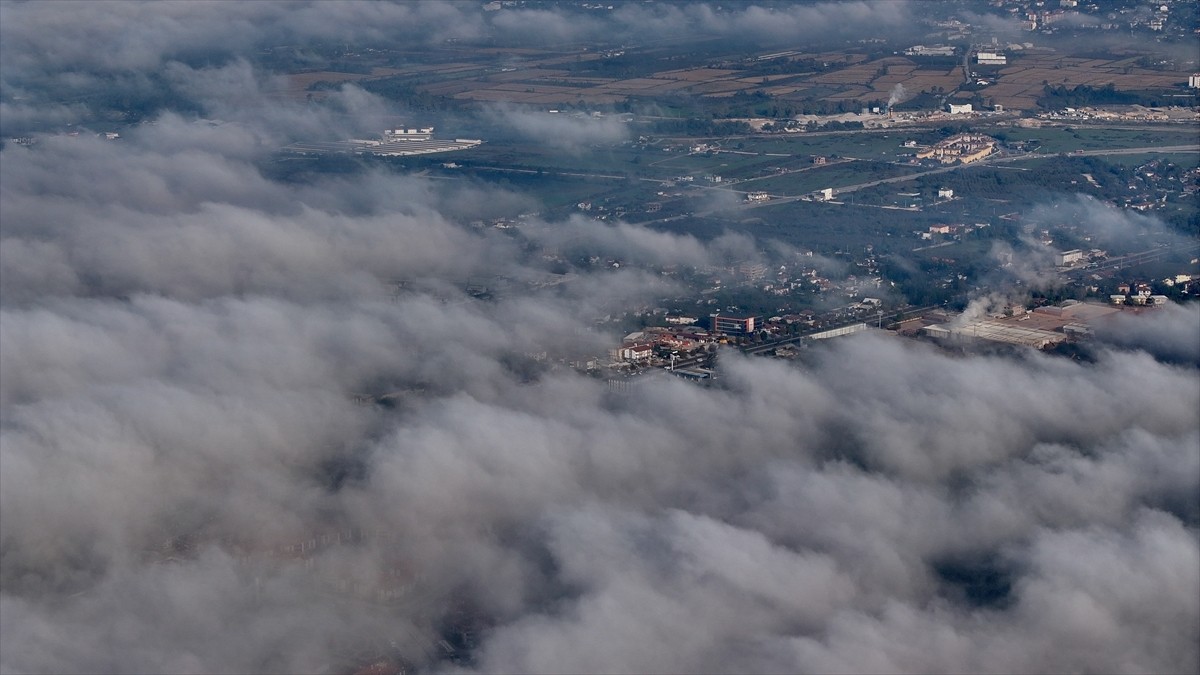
399 142
422 134
995 331
1041 328
936 50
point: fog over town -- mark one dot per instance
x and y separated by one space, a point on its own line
255 422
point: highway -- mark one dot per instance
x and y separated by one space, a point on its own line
1130 260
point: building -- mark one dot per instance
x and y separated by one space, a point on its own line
1194 81
757 197
754 271
936 50
1068 257
991 59
964 148
392 143
635 353
957 109
735 324
945 193
990 330
838 332
422 134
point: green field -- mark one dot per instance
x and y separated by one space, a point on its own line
1187 160
1067 139
830 176
864 145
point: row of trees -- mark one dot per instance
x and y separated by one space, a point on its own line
1060 96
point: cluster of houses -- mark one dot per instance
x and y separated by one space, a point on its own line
654 345
950 229
1141 293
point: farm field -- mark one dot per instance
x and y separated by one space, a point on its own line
1067 139
847 79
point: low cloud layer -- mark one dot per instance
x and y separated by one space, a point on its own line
249 425
570 133
179 366
112 36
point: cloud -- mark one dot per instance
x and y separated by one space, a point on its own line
1169 333
250 424
123 36
817 20
1108 225
742 23
571 133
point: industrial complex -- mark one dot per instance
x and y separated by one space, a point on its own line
1041 328
399 142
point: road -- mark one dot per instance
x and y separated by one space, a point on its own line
993 161
1130 260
